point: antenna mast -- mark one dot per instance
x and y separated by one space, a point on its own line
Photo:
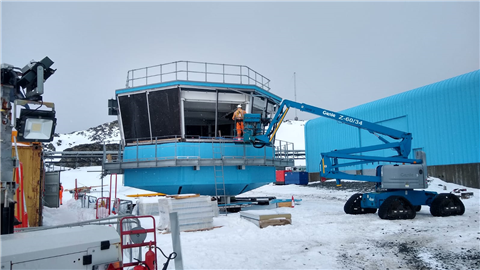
295 92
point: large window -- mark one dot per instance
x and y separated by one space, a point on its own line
200 119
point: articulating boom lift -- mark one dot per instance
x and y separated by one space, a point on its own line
394 196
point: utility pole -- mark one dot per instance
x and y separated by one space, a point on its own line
8 186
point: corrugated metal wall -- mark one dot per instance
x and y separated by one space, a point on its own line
443 117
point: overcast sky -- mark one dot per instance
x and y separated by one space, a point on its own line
344 54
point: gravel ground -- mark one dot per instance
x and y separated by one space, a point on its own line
415 252
354 186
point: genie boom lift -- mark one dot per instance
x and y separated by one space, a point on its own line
395 194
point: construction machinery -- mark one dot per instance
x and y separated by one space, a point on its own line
399 186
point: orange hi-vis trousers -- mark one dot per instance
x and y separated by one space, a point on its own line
239 128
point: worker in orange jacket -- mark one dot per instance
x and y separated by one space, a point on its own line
238 117
60 193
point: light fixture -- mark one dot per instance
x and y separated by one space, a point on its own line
112 107
33 77
36 126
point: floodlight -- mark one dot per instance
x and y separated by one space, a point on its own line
34 75
36 126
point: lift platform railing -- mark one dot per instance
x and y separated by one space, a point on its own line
198 72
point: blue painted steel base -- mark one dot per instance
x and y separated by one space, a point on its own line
184 180
175 180
416 197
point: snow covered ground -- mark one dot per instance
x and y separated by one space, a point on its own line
322 236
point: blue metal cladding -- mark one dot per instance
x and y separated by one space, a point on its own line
444 119
170 180
189 150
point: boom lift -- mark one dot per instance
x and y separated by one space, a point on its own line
395 196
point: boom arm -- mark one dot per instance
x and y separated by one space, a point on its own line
330 165
352 121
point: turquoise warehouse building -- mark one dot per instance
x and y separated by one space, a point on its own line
443 117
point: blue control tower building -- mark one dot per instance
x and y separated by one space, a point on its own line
177 132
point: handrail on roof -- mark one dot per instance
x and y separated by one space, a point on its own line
196 71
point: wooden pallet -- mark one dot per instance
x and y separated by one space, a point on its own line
146 195
183 196
265 218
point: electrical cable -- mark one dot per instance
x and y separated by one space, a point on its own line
170 257
165 265
257 144
34 110
41 104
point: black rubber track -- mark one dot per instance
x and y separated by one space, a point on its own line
234 209
396 207
354 207
446 204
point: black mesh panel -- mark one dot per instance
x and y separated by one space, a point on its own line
134 116
165 112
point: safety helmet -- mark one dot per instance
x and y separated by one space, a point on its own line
239 106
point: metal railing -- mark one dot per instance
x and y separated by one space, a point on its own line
113 220
185 153
281 151
295 154
73 158
198 72
88 201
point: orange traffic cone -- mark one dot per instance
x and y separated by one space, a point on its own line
293 202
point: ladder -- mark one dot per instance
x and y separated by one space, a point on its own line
219 176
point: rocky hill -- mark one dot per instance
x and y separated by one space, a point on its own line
92 139
108 133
